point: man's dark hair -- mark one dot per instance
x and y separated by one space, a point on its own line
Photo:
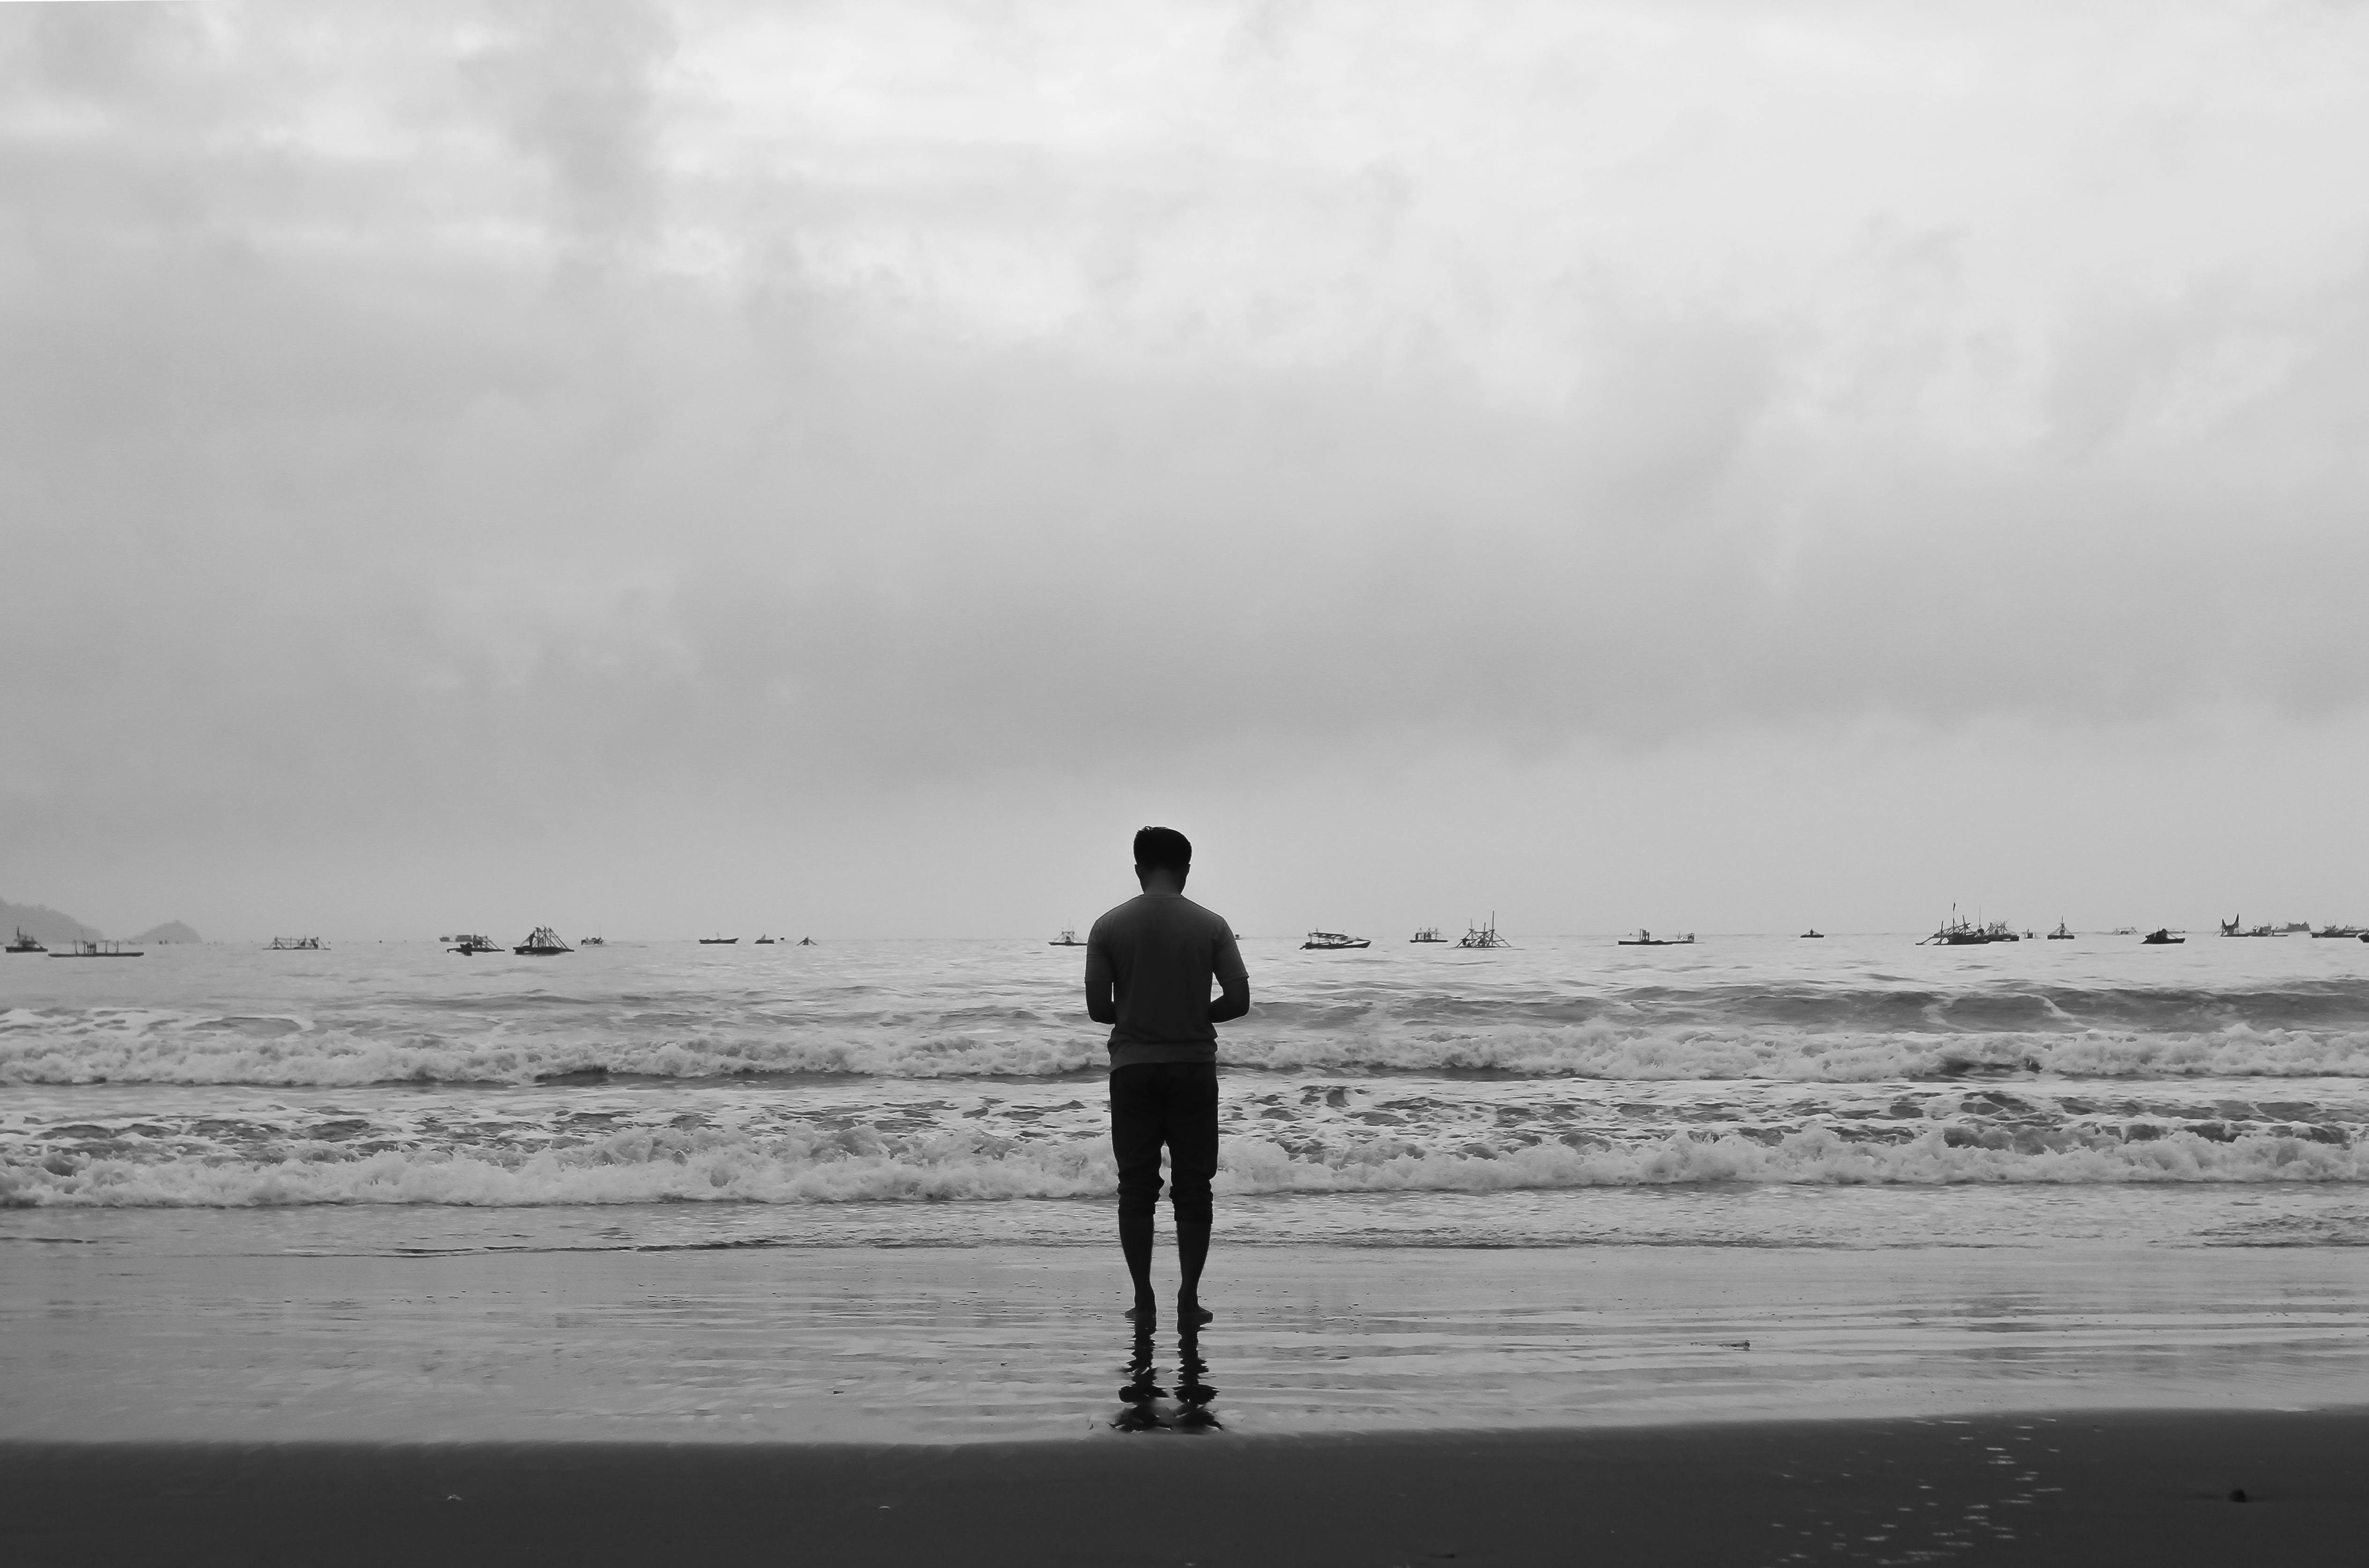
1163 847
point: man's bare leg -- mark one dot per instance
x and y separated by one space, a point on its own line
1135 1240
1192 1252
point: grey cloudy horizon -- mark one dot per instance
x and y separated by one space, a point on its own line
1630 462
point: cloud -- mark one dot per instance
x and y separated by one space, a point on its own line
644 394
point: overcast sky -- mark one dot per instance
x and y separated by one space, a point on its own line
842 469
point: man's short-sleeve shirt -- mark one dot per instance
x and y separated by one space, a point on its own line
1159 952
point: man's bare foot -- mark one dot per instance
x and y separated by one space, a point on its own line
1191 1313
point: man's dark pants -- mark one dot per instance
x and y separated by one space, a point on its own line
1170 1102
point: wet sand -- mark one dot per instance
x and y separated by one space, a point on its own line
2155 1487
237 1340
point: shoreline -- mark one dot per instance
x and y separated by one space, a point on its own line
2061 1486
923 1346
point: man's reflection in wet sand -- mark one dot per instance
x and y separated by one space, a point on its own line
1140 1406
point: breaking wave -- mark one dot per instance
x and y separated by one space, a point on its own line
861 1164
151 1048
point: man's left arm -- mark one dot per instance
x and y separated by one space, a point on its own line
1102 1005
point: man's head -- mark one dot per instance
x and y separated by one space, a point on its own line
1163 857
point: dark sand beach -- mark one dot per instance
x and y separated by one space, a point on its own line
2155 1487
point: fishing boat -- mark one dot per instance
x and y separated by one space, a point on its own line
1647 939
1068 938
1958 932
1483 935
717 941
763 941
2340 931
1333 942
1428 934
294 944
2161 938
542 944
25 943
2236 926
591 942
98 950
2062 933
806 942
1814 933
469 943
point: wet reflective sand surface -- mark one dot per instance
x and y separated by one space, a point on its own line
933 1344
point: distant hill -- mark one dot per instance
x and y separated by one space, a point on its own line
49 925
55 925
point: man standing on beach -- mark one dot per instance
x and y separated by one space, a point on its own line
1149 965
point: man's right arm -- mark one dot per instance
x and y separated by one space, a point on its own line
1234 1001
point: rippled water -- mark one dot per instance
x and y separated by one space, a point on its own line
905 1076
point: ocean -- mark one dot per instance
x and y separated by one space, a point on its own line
1708 1124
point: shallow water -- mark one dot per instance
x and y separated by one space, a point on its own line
863 1190
242 1334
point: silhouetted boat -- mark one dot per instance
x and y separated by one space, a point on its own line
1483 935
1647 939
542 944
2161 938
1428 934
1957 932
2236 926
469 943
591 942
1068 938
1333 942
98 950
294 944
25 943
806 942
717 941
763 941
2062 932
2341 930
1814 931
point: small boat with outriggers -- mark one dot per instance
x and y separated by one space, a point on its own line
295 945
542 944
2062 933
26 943
469 943
1814 935
1483 935
1428 934
1068 938
2237 926
2161 938
1958 932
98 950
1647 939
1333 942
